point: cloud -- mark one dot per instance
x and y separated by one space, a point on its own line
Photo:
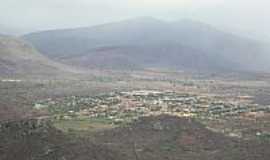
174 3
30 15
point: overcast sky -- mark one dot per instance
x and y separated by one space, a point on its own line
20 16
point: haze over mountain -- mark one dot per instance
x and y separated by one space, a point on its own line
148 42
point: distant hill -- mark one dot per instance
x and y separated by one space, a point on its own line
148 42
18 57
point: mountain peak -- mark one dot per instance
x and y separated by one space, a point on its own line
143 21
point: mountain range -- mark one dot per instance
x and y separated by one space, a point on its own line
151 43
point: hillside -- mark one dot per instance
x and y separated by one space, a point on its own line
167 137
37 139
20 58
138 57
148 42
151 138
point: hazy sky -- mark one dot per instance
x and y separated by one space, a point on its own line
248 16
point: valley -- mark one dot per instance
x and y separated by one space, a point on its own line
87 113
138 89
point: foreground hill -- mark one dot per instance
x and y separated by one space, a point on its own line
147 42
35 139
151 138
166 137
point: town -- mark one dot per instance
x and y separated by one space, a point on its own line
125 107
